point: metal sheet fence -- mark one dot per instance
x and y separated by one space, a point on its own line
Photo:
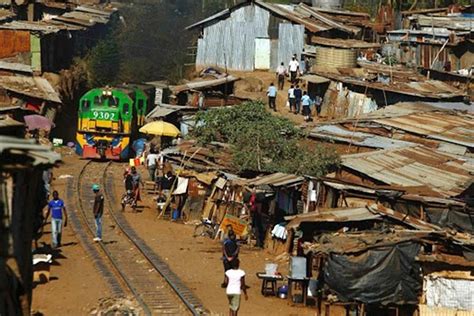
290 41
230 43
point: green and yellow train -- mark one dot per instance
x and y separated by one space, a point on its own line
109 119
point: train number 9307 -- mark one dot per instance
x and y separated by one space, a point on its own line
99 115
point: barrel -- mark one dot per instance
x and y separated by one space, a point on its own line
336 57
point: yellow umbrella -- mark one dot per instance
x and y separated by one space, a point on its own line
160 128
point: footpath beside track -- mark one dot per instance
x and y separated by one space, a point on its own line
127 263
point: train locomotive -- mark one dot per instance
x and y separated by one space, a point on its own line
109 119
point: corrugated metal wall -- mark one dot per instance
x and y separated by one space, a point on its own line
231 42
14 42
290 41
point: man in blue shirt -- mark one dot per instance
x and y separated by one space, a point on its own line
306 102
57 209
272 93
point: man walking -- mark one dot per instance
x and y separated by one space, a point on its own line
230 251
98 210
294 66
272 93
281 73
298 94
152 161
58 210
318 102
291 98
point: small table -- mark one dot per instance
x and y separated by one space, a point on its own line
269 283
304 286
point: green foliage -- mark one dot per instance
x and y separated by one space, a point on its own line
262 142
103 63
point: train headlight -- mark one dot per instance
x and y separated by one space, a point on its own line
109 93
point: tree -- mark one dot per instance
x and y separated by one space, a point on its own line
262 142
103 63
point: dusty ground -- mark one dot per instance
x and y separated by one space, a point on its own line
254 85
76 287
197 262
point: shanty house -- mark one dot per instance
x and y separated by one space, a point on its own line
259 35
435 40
21 201
51 44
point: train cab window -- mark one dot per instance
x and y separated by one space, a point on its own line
86 104
126 108
113 101
98 100
141 105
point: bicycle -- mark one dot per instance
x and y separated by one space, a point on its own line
206 228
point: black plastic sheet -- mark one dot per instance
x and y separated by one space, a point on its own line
383 275
450 218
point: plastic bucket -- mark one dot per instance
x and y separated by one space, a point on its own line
271 268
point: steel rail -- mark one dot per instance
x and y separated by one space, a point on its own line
186 296
102 246
164 303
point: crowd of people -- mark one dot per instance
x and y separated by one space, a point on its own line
298 100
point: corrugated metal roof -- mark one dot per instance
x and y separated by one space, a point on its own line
314 79
409 220
414 166
339 134
217 16
276 180
427 89
448 127
35 87
461 106
43 27
160 112
6 15
16 67
463 23
343 43
38 154
312 20
337 215
6 121
203 84
80 18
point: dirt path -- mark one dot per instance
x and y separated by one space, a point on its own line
75 286
197 262
253 85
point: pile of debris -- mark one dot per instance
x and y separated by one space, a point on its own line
116 307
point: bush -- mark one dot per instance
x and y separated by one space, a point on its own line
262 142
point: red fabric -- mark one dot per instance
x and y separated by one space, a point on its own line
253 202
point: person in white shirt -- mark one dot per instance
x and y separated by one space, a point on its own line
293 66
235 284
152 161
291 98
281 73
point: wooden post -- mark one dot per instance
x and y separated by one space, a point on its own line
289 241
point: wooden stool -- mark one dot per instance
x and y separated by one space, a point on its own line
269 283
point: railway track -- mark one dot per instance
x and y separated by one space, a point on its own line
128 264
